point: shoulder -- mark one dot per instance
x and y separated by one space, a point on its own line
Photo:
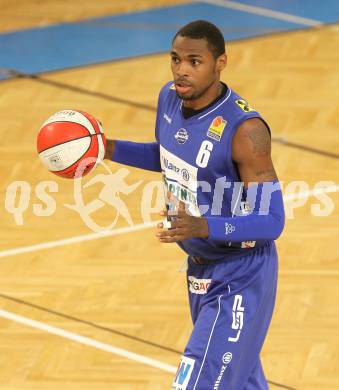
238 104
166 91
252 138
239 110
168 88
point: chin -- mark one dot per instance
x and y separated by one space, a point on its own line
185 97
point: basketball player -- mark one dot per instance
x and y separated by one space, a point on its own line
225 210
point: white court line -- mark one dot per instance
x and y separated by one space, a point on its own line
305 272
134 228
76 239
265 12
88 341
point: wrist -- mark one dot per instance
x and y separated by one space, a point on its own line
220 229
203 228
110 147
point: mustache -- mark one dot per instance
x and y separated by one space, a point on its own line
182 81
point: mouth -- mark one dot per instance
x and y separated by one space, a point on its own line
182 87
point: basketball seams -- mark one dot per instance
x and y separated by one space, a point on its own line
79 118
71 169
80 124
101 149
66 142
94 123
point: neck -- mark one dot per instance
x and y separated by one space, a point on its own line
213 91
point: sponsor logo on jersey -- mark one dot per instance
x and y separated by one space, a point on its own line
167 118
216 128
226 359
183 171
238 318
198 286
248 244
245 208
244 105
184 194
183 375
169 165
180 179
181 136
185 174
229 228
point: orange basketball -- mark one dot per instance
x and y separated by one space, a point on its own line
71 143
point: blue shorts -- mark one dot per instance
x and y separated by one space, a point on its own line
231 306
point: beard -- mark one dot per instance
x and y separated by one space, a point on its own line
195 94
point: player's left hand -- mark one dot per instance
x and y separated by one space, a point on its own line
183 227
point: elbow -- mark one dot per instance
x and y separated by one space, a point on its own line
278 226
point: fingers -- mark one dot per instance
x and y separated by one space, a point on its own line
164 225
181 207
173 230
168 236
174 213
171 224
168 240
177 232
178 205
178 212
163 213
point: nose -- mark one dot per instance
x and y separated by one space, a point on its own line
181 69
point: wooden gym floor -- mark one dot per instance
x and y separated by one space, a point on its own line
125 290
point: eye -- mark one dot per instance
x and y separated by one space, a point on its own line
195 62
175 60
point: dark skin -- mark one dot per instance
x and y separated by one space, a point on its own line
196 74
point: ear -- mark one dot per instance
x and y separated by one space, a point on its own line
221 62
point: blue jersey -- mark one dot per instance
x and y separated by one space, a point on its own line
197 166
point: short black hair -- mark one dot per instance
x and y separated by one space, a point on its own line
202 29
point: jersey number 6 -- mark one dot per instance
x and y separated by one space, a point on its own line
204 154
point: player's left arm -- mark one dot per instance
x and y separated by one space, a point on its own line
251 152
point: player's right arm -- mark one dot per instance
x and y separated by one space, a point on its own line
110 147
137 154
134 154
